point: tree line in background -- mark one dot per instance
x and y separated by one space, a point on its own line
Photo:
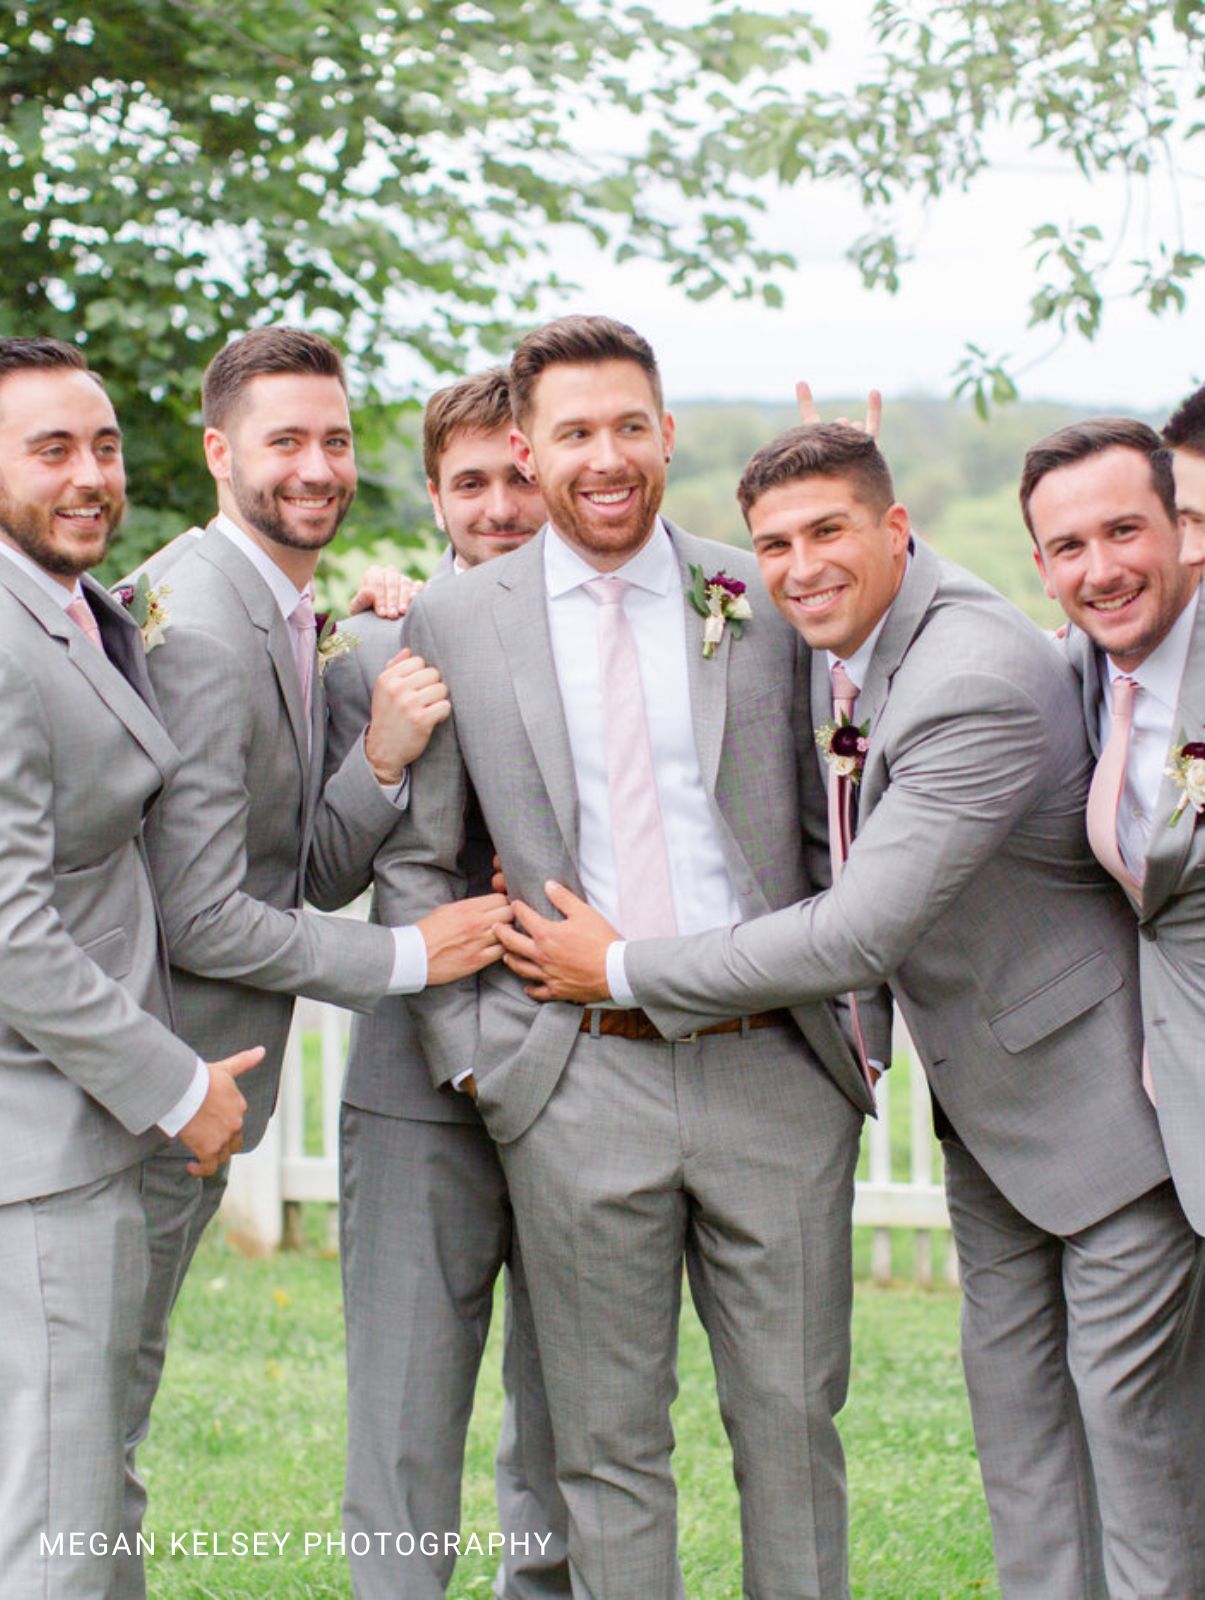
174 171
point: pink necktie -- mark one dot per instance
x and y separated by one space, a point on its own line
80 613
1104 799
840 831
305 638
1108 781
646 897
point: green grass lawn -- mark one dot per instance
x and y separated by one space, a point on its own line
248 1434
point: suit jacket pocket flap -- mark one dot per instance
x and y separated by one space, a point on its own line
1056 1003
111 952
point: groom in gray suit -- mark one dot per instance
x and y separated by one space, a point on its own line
1100 503
91 1076
958 776
611 742
418 1297
247 827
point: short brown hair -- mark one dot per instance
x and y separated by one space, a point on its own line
24 355
577 341
1079 441
260 353
1186 428
819 450
478 404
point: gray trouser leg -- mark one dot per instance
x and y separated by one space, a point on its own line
74 1268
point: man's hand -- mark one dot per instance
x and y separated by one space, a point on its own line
216 1131
566 960
462 936
409 699
874 410
386 591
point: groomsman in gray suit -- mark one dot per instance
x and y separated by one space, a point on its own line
246 827
1100 502
613 743
957 769
425 1221
91 1075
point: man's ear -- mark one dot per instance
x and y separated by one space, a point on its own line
520 448
900 524
1042 573
436 507
217 454
667 436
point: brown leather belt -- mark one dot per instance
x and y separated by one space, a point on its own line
637 1024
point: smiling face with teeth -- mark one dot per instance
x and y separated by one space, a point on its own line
62 480
1109 553
830 562
285 466
598 446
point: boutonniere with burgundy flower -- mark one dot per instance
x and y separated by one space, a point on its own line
720 601
146 607
844 745
332 645
1187 771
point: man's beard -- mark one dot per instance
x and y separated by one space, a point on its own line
567 517
259 509
31 528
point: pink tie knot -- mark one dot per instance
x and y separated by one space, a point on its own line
302 615
82 615
845 691
607 591
1122 701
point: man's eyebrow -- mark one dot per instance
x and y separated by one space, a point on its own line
46 435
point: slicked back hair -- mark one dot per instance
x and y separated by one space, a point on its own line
264 352
819 450
1080 441
577 341
1186 428
478 404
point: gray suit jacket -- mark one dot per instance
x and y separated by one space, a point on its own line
1171 921
488 634
970 887
386 1070
245 826
85 1071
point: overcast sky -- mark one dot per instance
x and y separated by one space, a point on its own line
971 279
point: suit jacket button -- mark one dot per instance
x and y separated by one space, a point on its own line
1147 930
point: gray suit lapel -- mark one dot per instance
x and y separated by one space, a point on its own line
1168 848
260 605
1086 660
520 611
105 678
707 675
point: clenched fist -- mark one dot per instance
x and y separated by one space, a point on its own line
409 699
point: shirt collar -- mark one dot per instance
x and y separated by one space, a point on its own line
58 592
284 592
653 567
1160 674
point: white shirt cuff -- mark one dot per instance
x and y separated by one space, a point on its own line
186 1108
409 975
617 977
398 794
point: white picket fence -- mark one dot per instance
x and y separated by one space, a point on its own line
267 1188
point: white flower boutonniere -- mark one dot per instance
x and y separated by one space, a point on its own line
720 601
843 746
332 645
1187 770
146 607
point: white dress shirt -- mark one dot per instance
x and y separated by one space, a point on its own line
1151 735
703 893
